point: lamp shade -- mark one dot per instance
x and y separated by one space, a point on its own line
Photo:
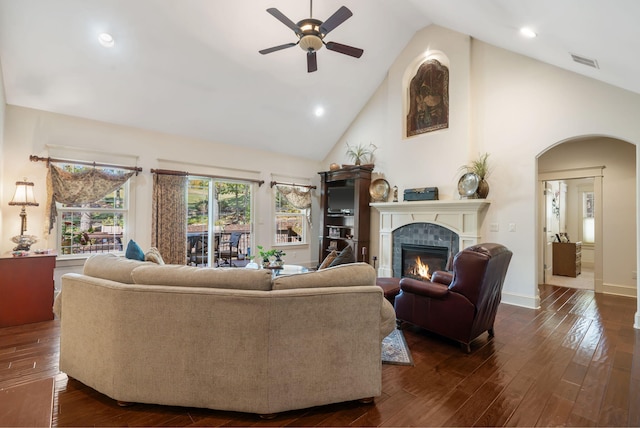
24 194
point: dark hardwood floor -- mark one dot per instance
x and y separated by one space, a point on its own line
574 362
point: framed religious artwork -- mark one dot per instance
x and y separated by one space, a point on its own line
428 99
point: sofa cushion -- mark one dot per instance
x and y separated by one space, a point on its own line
112 267
337 276
345 256
191 276
153 255
328 260
134 251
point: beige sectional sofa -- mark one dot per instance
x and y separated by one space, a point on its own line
227 339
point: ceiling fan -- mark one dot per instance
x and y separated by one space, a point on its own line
311 33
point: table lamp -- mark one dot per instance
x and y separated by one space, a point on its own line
23 197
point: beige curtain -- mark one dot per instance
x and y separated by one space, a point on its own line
81 187
299 197
169 217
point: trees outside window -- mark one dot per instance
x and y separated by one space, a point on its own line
96 227
290 222
216 209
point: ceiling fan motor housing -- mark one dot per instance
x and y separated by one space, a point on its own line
310 37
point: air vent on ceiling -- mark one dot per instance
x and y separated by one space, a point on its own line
585 61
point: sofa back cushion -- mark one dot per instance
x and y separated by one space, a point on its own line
337 276
112 267
190 276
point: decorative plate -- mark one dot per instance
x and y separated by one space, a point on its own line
468 185
379 190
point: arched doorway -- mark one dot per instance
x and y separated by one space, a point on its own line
612 164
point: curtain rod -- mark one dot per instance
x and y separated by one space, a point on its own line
34 158
184 173
308 186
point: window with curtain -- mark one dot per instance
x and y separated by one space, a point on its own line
89 207
292 211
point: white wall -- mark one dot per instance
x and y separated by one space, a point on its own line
502 103
33 132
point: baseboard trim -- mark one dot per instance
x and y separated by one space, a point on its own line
531 302
619 290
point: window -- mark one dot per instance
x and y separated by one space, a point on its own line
290 222
96 227
588 218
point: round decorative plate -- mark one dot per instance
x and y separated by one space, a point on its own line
468 185
379 190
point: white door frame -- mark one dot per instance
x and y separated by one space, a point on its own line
596 173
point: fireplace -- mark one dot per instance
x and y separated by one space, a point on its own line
420 261
462 218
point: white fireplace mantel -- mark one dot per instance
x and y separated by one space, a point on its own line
463 217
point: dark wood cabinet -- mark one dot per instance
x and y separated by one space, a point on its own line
26 289
567 258
344 202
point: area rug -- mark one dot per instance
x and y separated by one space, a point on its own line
395 349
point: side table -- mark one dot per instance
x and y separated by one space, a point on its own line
26 289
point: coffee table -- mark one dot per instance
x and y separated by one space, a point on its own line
287 270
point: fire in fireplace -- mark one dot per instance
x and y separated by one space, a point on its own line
420 261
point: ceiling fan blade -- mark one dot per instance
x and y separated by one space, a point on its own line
312 62
336 19
277 48
286 21
344 49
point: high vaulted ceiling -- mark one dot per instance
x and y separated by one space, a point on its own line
192 67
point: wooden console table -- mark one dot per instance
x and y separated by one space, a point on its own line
567 258
26 289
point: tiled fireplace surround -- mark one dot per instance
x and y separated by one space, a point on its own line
454 224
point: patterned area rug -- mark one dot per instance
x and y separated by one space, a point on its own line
395 349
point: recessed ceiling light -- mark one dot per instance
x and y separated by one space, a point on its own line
319 112
528 32
106 40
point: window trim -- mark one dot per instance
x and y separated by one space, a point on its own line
302 213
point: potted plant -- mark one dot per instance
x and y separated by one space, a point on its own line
480 167
271 257
360 153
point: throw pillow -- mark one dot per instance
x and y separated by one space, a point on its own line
328 260
345 256
134 251
153 255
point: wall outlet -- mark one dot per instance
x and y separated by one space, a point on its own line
494 227
512 227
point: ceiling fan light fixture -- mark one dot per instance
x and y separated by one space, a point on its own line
312 42
311 33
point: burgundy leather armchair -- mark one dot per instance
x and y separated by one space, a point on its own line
460 305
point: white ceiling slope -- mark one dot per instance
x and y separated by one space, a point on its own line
192 67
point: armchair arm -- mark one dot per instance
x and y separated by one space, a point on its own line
423 288
442 277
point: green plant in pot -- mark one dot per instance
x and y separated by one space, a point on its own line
480 167
271 257
361 153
